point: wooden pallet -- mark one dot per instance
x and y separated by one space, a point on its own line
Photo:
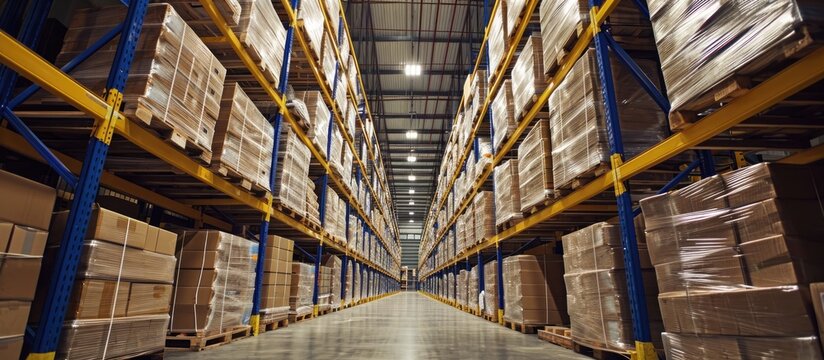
585 177
274 325
549 200
235 177
521 327
566 47
201 341
599 353
492 318
558 335
172 135
508 224
528 106
151 355
293 318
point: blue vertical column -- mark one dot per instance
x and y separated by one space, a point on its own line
263 238
66 262
643 345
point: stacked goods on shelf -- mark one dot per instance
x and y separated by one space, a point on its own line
479 87
598 299
277 278
311 109
535 181
335 217
580 145
214 282
300 292
498 37
344 53
329 63
528 80
698 74
311 206
336 151
484 159
324 287
508 193
174 83
292 172
333 11
352 75
533 291
340 96
24 219
198 19
356 282
243 140
472 288
122 289
350 281
462 283
734 255
561 23
514 8
335 265
490 304
460 236
451 286
484 215
503 114
351 120
312 17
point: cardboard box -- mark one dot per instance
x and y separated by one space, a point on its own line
783 260
714 269
11 347
166 242
279 242
17 239
189 295
277 279
149 299
773 181
189 277
25 202
93 299
18 277
105 225
13 317
198 259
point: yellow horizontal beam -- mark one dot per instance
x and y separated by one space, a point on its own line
806 156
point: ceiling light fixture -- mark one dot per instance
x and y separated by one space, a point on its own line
411 213
412 70
411 203
411 158
411 221
411 134
412 177
411 191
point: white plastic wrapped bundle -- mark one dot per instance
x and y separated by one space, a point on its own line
484 214
528 80
498 43
467 92
484 156
318 118
508 193
340 97
472 289
329 61
462 284
214 282
336 266
312 205
514 8
174 83
578 125
351 119
704 44
127 337
352 74
243 139
560 22
264 36
344 52
478 97
697 347
534 166
293 170
349 281
104 260
451 286
503 114
300 294
491 288
313 23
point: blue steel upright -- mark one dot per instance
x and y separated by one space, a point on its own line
635 286
68 256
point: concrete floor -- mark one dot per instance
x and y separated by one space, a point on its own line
400 327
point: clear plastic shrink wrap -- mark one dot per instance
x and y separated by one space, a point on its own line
350 281
451 286
125 337
105 260
528 80
333 11
329 62
262 33
243 138
277 279
497 39
300 293
560 21
317 116
503 114
462 286
491 288
703 44
508 196
578 122
358 284
324 287
514 8
313 23
192 12
529 299
174 82
293 171
214 282
479 88
484 214
534 166
336 266
739 251
472 289
597 297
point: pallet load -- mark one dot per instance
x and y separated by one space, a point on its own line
352 75
451 286
324 288
490 300
562 21
335 221
356 279
277 280
472 289
336 151
192 12
598 299
24 219
528 81
508 196
503 114
462 283
333 11
292 172
311 15
535 182
174 84
310 107
243 140
484 214
311 206
300 293
735 254
214 283
699 74
498 39
514 8
350 282
123 283
335 265
533 297
578 124
479 88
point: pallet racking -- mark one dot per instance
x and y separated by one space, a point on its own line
187 188
608 194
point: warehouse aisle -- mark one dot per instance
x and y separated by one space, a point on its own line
403 326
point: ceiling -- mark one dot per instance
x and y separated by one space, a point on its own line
441 36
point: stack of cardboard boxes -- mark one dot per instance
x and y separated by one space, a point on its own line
214 282
335 265
598 299
122 290
534 291
735 255
292 172
507 194
300 291
528 80
324 287
472 289
535 180
462 284
484 216
503 114
490 304
277 278
24 219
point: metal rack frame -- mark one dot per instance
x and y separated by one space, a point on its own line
18 58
